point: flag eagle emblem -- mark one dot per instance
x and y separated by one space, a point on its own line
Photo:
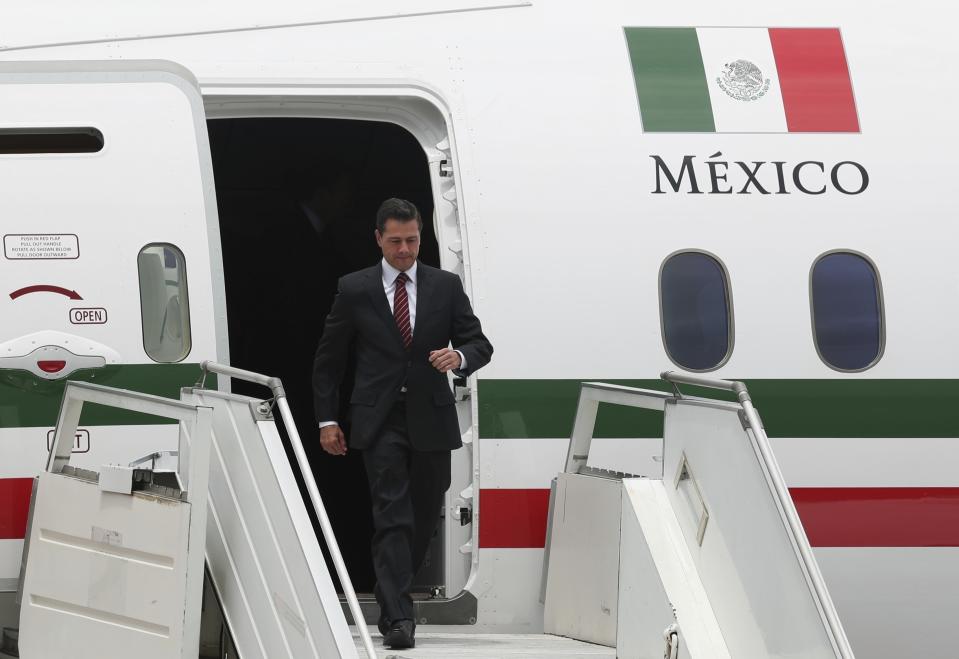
743 81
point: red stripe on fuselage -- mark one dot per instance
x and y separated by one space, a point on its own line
513 518
14 506
832 516
814 78
879 516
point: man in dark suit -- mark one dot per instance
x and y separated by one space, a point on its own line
399 318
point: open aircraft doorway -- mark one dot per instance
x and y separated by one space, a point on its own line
297 200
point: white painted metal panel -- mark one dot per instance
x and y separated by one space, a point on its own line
104 565
747 560
583 575
107 570
508 585
263 555
644 607
658 581
181 18
882 593
151 182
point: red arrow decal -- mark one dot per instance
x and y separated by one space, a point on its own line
45 288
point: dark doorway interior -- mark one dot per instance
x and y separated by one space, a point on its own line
297 202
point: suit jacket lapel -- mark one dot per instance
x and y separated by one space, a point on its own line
374 287
424 293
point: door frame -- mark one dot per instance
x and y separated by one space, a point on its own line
427 117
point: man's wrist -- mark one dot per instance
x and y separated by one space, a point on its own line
324 424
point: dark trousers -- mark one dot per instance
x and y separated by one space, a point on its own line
407 488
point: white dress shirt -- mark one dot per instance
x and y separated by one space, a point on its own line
389 286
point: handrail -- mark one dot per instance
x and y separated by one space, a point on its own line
701 381
280 395
239 374
593 393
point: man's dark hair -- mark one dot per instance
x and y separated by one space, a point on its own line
397 209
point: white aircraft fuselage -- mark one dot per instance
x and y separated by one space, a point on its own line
565 173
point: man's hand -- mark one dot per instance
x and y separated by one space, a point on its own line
445 360
332 440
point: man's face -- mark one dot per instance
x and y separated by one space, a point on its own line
400 243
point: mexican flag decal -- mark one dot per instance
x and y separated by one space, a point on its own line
742 80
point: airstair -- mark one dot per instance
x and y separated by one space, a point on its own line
708 561
112 567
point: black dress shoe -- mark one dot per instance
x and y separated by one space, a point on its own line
383 624
402 635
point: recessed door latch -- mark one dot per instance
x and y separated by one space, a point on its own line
464 515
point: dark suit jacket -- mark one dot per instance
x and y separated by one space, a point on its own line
361 319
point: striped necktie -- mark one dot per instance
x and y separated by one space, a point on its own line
401 309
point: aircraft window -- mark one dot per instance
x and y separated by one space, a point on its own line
696 310
847 314
50 140
164 303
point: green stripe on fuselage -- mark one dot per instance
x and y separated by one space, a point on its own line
545 408
29 401
789 408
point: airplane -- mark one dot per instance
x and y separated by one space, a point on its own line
754 192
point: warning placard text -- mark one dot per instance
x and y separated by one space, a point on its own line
35 246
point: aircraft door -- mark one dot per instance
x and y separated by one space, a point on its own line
110 245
